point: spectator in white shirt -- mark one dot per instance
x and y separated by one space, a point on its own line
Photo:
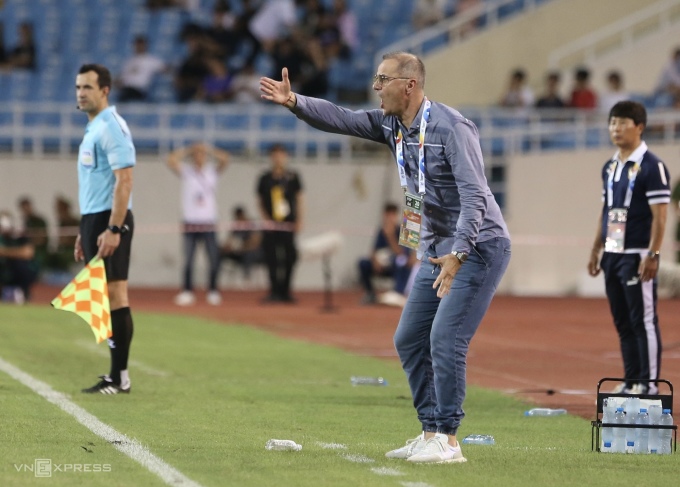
669 81
138 73
614 94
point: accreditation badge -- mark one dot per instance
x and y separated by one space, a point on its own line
616 230
409 232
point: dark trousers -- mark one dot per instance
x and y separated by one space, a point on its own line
633 307
280 255
400 273
191 239
19 273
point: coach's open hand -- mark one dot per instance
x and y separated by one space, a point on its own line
448 268
277 91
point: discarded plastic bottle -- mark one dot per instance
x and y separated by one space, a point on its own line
368 381
666 434
479 440
282 445
544 412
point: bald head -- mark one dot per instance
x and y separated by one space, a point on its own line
409 66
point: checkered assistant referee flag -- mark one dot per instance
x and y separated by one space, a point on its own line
87 295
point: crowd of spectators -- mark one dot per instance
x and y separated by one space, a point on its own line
581 94
226 57
23 54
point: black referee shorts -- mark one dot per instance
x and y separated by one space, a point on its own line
118 264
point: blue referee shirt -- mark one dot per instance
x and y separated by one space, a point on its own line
107 146
651 188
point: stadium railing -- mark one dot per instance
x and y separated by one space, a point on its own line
57 128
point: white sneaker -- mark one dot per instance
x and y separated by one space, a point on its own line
438 450
412 446
636 389
214 298
185 298
619 389
392 298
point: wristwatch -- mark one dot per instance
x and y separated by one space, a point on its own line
653 255
461 256
115 229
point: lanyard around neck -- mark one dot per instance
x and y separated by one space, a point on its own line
632 176
399 146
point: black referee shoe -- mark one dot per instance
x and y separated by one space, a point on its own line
106 386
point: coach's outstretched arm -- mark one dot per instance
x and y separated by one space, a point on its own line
322 114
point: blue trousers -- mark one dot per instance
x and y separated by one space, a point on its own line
433 335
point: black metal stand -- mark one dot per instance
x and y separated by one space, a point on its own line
666 403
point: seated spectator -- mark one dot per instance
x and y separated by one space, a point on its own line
387 259
428 12
244 244
138 72
582 95
668 86
4 59
518 93
245 86
18 268
216 86
22 56
614 94
551 97
34 228
67 223
194 68
222 34
272 21
348 26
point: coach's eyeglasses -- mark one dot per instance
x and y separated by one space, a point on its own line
382 80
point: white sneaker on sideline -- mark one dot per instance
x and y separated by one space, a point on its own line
438 450
214 298
392 298
412 446
185 298
619 389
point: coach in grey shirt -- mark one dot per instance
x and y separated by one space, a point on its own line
463 238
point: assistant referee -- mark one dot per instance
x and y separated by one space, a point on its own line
105 161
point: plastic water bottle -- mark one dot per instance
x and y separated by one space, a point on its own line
631 414
282 445
619 443
479 440
368 381
608 431
642 434
654 434
544 412
666 435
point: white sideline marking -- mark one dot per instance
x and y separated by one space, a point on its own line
135 363
415 484
331 446
357 458
131 448
387 471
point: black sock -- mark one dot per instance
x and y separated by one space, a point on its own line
119 344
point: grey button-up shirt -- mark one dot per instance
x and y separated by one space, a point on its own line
459 209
